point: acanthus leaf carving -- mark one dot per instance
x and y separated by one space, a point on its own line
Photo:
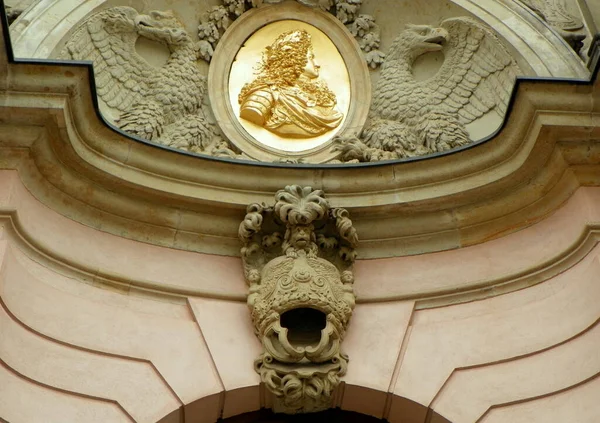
362 26
300 294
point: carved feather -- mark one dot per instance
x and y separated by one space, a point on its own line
410 117
108 40
162 104
478 70
477 75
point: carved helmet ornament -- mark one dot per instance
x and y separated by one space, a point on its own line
298 258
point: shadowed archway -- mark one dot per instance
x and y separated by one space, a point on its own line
335 415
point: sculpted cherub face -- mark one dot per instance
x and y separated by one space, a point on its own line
300 236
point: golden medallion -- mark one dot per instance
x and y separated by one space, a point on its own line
281 94
287 97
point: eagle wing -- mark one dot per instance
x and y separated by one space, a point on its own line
477 75
108 40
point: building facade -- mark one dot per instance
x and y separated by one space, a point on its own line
123 294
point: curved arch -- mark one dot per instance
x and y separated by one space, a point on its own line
30 42
396 349
541 48
512 262
85 300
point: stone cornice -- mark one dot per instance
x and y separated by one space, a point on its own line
74 162
516 261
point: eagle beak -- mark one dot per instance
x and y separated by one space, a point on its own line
143 21
439 36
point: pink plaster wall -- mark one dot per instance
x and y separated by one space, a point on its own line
83 349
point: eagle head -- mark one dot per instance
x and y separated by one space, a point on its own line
162 27
120 19
419 39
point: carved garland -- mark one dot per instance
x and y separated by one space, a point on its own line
363 27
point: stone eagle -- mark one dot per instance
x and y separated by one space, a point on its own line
161 104
412 118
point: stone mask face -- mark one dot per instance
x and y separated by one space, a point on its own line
301 295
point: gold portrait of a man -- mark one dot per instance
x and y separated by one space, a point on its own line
287 97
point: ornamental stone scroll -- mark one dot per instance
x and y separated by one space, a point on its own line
297 258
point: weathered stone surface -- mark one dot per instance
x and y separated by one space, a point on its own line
164 105
119 307
411 117
298 258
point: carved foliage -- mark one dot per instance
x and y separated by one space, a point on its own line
300 294
216 21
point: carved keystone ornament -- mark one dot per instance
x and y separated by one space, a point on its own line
298 258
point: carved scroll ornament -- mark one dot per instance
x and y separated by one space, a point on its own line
297 259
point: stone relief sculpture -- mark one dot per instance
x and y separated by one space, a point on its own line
287 97
165 105
297 258
413 118
362 26
408 117
557 15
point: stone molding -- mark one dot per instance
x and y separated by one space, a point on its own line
541 169
391 203
557 15
525 36
34 43
117 335
79 167
536 52
568 237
